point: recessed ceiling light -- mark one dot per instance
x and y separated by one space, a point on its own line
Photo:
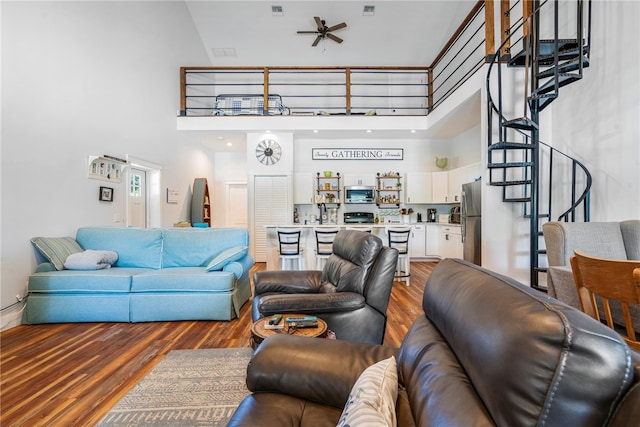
277 11
315 131
229 144
368 130
369 10
220 138
413 131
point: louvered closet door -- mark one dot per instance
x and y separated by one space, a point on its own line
271 207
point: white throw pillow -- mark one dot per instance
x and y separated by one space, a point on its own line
227 256
91 260
372 401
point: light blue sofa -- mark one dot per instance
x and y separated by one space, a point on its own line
160 275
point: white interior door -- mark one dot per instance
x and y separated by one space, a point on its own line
236 203
137 199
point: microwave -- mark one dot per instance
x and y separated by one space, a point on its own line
359 194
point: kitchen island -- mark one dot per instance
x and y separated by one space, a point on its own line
308 240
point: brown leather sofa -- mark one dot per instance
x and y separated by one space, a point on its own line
351 293
488 351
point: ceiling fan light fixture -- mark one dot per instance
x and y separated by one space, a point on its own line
369 10
323 32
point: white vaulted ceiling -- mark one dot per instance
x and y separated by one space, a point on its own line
401 33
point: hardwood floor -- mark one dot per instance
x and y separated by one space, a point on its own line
71 374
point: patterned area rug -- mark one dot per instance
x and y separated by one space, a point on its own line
187 388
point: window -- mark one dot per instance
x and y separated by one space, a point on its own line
134 185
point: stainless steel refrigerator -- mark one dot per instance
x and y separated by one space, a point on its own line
471 221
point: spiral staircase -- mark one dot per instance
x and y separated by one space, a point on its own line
529 171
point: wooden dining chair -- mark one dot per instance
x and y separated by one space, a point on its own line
601 280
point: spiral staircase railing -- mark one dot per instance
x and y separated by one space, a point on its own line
516 160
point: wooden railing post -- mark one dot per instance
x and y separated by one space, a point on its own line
505 27
265 93
429 90
348 90
527 9
489 29
183 91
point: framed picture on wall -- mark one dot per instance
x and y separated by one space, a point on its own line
106 194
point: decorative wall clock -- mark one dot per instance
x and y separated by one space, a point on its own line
268 152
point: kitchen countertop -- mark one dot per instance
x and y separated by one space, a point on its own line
358 225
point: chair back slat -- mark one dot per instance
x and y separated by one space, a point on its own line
289 241
605 280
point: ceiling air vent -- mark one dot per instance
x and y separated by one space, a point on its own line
277 11
369 10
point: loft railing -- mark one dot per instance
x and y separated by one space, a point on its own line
207 91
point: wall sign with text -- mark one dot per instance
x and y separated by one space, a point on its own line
357 153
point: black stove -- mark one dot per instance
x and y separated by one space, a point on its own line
358 218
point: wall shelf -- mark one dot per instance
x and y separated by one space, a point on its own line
327 186
388 190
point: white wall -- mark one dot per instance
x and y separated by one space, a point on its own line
79 79
597 120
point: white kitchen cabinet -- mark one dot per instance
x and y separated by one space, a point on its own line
418 187
360 179
450 242
417 241
432 239
456 178
303 190
439 187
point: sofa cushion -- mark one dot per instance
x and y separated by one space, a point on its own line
228 255
56 249
183 279
188 247
136 247
70 281
372 401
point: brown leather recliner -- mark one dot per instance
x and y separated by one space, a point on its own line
488 351
351 293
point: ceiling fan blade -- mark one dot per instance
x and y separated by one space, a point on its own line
334 38
316 41
337 26
319 23
307 32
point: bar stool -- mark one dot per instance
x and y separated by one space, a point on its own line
324 244
399 239
290 248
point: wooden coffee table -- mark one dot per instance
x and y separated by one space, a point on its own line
259 333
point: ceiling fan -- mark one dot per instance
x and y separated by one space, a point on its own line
324 32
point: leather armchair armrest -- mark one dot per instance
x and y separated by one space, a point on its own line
288 281
310 303
314 369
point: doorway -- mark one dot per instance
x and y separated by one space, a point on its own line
137 198
143 194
